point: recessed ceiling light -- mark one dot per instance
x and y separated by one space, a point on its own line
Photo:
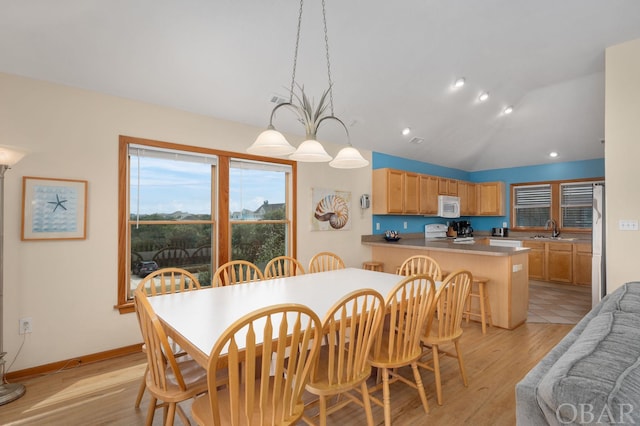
458 83
553 154
483 96
508 110
406 131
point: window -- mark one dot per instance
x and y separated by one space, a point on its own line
531 205
170 202
576 205
259 212
569 203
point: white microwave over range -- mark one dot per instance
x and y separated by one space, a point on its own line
448 206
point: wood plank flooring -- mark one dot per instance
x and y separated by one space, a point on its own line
103 393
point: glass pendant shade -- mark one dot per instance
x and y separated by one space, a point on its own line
349 158
310 151
271 143
10 156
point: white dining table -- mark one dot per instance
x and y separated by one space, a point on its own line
196 319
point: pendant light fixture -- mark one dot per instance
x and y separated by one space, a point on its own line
272 142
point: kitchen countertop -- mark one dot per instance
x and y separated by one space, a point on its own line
442 245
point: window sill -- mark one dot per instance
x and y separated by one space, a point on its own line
126 308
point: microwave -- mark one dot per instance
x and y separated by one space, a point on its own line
448 206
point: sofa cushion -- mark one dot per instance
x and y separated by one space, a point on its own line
598 378
626 298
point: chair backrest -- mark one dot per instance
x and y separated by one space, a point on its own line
448 306
258 392
421 264
168 280
283 266
158 349
407 306
325 261
236 272
350 327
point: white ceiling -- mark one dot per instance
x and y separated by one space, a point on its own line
392 65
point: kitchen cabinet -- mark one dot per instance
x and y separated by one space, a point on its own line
395 192
428 194
491 199
560 262
447 186
582 263
536 259
468 199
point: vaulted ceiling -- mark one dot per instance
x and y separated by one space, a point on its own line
392 66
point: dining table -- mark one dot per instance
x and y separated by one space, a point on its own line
196 319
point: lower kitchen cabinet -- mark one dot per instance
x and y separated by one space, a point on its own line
536 260
582 264
559 262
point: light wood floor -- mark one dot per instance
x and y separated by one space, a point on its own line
103 393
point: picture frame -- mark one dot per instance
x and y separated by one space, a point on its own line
53 209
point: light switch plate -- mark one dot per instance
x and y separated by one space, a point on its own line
628 225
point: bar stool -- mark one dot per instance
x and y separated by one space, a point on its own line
483 302
373 266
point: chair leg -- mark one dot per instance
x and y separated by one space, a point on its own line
482 313
367 403
420 386
323 410
386 398
143 386
182 415
461 363
170 415
151 411
436 370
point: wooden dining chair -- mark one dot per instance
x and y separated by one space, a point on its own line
349 328
283 266
256 393
445 325
398 341
421 264
236 272
169 379
164 281
325 261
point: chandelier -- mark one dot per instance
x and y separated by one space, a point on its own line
273 143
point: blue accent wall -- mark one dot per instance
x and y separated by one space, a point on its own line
544 172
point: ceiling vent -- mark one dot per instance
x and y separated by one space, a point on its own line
416 141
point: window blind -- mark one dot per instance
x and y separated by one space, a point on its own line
576 201
532 205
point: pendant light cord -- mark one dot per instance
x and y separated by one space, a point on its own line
326 45
295 53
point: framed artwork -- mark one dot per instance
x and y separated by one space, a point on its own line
54 209
331 210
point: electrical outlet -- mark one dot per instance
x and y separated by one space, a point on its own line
405 225
26 325
377 226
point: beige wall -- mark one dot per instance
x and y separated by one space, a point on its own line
69 287
622 151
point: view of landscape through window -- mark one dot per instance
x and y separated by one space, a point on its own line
172 212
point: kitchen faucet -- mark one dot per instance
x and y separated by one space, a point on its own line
554 228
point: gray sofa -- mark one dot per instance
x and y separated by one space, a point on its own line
593 375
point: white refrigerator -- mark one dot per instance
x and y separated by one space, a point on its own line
598 263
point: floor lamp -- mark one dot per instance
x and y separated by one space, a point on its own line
8 391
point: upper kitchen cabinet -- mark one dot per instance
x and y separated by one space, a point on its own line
428 194
491 199
395 192
447 186
467 192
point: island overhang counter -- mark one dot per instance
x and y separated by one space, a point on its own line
507 269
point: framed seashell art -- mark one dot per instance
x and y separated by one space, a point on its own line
331 210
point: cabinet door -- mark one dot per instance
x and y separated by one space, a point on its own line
395 191
491 199
560 262
467 194
428 194
411 193
536 260
582 264
447 186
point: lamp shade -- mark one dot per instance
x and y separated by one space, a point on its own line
271 143
310 151
10 155
349 158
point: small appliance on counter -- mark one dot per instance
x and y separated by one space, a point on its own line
463 228
435 231
499 232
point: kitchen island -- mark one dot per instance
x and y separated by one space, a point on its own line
506 267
